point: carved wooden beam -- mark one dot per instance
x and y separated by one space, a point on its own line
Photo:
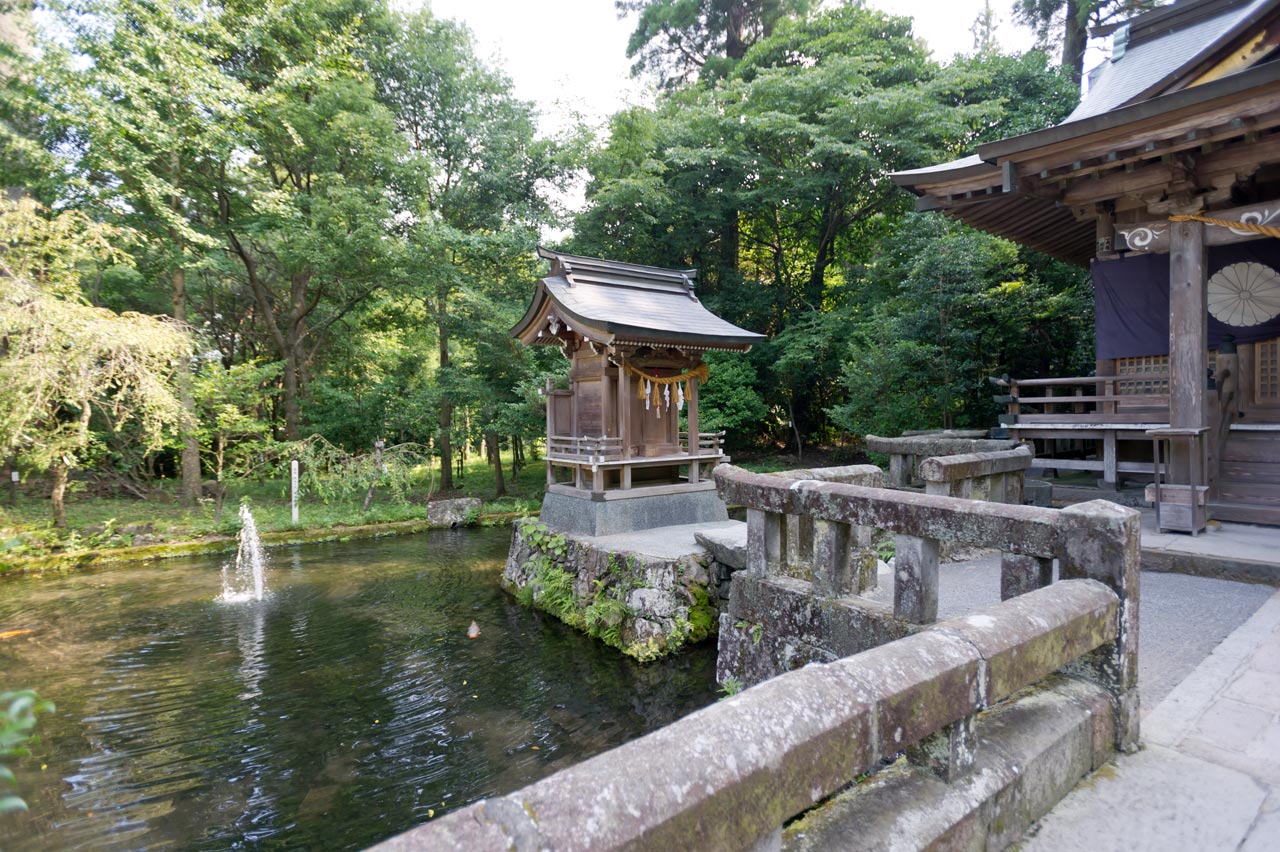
1152 237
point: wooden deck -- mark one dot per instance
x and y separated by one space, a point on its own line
1101 423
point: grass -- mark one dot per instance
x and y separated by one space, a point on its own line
26 528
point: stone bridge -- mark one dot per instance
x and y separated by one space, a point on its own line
899 733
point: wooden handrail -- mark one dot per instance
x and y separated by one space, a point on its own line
1086 380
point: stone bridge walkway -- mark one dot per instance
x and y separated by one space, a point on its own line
1208 777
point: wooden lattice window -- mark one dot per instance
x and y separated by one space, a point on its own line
1142 365
1266 370
1146 365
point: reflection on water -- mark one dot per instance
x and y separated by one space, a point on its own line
343 708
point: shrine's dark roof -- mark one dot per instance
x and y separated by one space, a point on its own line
1158 45
613 302
1168 67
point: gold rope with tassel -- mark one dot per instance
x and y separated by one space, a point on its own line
650 388
1251 227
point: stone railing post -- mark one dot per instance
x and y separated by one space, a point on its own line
901 466
1100 541
1020 574
834 574
948 753
800 531
765 531
915 578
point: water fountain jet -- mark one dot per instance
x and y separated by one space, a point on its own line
247 581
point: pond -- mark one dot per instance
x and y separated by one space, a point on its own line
346 707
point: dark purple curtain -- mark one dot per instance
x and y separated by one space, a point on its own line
1131 300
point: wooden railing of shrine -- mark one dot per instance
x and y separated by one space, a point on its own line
583 448
707 444
1086 399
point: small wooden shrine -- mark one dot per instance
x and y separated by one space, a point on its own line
635 336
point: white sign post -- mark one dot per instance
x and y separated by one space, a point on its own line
293 488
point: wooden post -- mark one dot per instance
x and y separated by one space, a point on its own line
624 413
1104 367
551 425
695 447
606 386
1188 338
293 490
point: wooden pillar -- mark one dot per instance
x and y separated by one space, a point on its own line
693 416
1104 367
1188 336
550 386
606 402
624 407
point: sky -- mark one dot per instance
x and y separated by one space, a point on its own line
569 56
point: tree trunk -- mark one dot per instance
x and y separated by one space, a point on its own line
220 453
186 397
59 493
446 404
1074 41
735 46
495 456
291 426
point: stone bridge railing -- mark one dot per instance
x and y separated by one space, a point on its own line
775 622
730 775
996 476
904 452
801 535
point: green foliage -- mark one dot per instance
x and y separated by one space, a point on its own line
944 307
756 629
539 536
681 40
20 709
731 686
729 400
774 182
605 616
702 615
332 473
66 365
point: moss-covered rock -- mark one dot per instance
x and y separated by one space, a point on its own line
644 606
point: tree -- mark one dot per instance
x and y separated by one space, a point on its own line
984 30
148 126
482 175
307 217
1068 22
677 40
63 363
794 148
945 306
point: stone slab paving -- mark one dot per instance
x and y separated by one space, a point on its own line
1220 540
1209 776
661 542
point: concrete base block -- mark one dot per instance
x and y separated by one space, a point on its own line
1030 754
584 516
1037 492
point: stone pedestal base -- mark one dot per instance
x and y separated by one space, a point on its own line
616 514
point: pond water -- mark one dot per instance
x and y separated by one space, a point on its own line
346 707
